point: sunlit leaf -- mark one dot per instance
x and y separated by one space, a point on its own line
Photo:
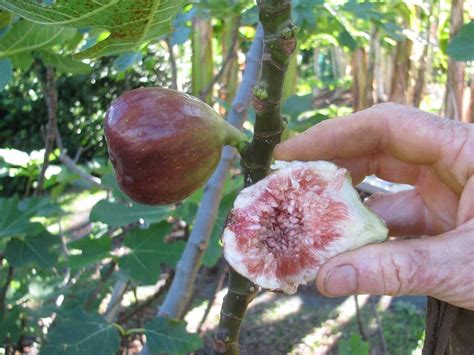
6 72
118 214
16 215
214 249
79 333
461 46
5 18
63 63
22 60
304 124
92 250
297 104
126 60
354 345
26 36
36 249
148 250
10 325
169 336
130 23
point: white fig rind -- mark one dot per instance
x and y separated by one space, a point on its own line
319 222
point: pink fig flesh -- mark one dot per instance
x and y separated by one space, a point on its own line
164 144
283 228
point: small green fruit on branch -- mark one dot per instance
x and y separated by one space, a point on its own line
164 144
284 227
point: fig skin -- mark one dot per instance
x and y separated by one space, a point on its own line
164 144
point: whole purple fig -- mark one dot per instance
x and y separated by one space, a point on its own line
164 144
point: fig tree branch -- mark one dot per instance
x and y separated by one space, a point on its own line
172 59
118 291
50 93
100 286
48 85
280 43
188 265
4 290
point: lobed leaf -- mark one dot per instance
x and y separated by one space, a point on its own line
92 251
16 215
148 250
36 249
64 64
169 336
26 36
79 333
214 249
117 214
130 23
6 72
461 46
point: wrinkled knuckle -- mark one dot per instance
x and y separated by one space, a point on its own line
414 273
390 268
401 272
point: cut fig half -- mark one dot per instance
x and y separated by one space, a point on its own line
284 227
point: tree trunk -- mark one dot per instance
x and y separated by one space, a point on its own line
360 85
387 72
51 97
401 72
455 82
230 77
420 78
289 86
468 116
374 39
379 73
202 65
315 89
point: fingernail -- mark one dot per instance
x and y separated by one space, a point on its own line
341 280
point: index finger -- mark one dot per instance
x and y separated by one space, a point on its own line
407 134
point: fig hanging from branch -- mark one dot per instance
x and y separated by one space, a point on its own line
165 144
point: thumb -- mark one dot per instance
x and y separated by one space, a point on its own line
434 266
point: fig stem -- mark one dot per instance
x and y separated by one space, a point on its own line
236 138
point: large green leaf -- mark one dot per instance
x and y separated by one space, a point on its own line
37 249
92 250
81 333
130 22
10 325
169 336
461 46
63 63
26 36
214 249
22 60
6 72
15 216
355 345
118 214
302 125
297 104
148 250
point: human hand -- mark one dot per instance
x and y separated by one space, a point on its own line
409 146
